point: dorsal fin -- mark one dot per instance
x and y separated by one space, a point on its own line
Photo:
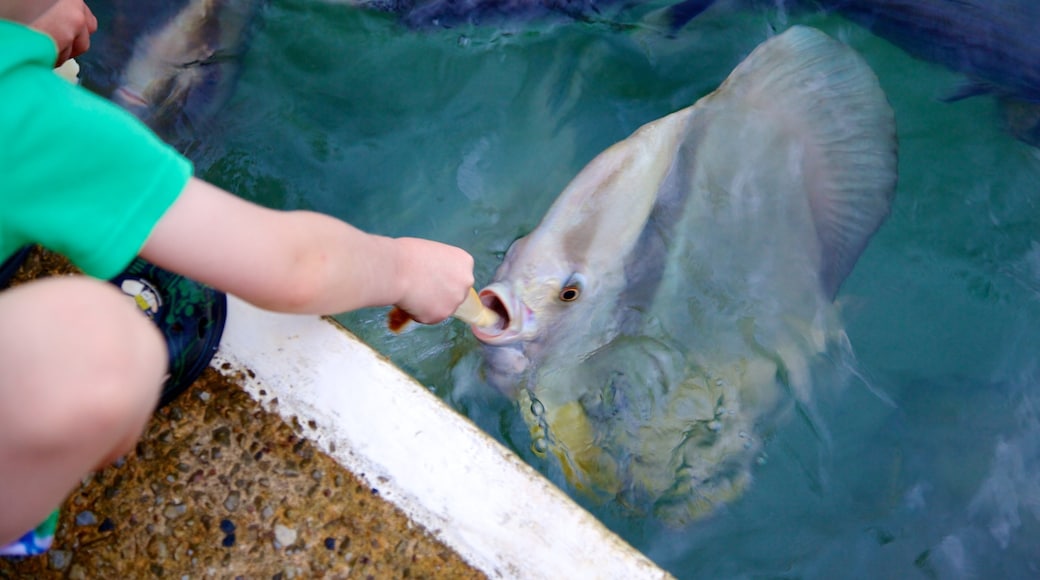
830 95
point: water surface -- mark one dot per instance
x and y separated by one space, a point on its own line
928 465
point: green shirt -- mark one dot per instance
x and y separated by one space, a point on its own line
78 175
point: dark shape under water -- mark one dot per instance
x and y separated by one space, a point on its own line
172 64
995 43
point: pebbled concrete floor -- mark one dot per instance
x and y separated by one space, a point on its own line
220 488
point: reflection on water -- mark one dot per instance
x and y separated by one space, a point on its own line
931 464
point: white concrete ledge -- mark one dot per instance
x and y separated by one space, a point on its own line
476 496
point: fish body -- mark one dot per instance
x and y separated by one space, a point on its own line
674 296
175 65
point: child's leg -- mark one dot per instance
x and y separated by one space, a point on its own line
80 374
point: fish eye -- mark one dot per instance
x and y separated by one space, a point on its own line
571 290
570 293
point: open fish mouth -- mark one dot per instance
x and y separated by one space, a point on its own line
506 330
129 98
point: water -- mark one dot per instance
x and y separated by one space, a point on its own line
929 465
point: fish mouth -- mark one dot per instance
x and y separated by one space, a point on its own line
134 102
128 97
506 330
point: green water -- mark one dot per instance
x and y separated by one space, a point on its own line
929 466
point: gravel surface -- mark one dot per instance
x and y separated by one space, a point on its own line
219 487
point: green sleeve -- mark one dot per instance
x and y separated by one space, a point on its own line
78 175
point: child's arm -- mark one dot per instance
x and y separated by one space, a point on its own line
23 11
303 261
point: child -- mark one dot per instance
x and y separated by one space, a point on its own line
80 367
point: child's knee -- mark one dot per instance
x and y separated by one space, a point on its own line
77 360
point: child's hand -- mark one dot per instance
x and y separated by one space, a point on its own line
437 277
70 23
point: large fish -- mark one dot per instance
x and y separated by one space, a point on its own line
173 64
674 297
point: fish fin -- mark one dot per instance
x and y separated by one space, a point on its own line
218 56
829 97
967 90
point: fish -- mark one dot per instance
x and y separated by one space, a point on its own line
993 43
672 302
175 64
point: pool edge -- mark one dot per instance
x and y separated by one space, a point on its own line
473 494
